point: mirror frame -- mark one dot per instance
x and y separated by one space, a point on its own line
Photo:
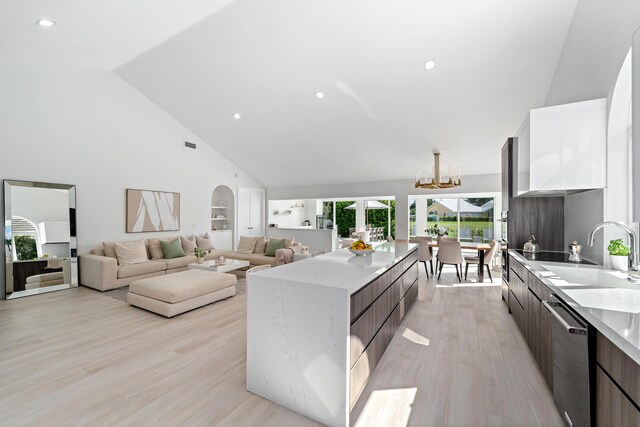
8 234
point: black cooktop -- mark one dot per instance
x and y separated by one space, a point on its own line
550 256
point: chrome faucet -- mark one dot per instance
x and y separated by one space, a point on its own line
633 241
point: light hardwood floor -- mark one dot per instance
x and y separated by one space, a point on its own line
77 357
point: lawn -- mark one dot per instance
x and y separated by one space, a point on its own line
485 229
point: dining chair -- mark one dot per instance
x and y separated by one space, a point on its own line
448 239
450 253
424 252
488 256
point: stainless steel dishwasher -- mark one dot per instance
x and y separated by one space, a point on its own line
572 347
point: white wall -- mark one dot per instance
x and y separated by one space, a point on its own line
596 47
599 38
91 129
400 189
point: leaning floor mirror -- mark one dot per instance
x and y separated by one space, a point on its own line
40 244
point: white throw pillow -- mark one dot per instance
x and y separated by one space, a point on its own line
188 244
204 242
246 245
131 252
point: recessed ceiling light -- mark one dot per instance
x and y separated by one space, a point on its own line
319 95
430 65
236 116
45 23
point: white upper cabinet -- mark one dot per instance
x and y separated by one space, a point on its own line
563 148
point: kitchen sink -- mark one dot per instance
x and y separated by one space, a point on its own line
596 288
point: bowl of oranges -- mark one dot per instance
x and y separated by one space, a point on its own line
360 248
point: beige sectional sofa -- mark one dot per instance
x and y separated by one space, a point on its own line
102 272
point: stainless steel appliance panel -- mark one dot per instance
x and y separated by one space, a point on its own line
571 365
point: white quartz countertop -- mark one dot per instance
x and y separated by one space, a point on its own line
341 268
603 297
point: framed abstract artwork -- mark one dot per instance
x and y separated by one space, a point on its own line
149 210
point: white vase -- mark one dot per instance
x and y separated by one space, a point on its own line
200 260
619 262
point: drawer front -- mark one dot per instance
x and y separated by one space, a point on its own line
364 366
365 296
537 287
613 409
624 370
517 286
518 312
366 326
518 268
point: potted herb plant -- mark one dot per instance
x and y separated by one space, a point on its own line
200 254
619 254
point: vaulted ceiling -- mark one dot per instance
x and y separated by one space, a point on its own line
382 115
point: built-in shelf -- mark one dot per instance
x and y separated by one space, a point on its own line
282 214
219 219
219 207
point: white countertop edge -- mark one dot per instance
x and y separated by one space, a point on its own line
351 288
625 345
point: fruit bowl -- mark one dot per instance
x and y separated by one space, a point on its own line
361 252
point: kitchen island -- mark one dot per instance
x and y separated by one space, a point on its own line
317 328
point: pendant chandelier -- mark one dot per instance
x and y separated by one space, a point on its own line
434 180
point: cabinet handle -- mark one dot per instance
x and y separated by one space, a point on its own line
578 330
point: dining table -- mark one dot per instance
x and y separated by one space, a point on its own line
481 247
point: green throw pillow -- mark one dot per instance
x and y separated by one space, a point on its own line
273 246
172 249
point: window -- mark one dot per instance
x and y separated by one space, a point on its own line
470 219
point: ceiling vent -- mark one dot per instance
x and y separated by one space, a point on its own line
190 145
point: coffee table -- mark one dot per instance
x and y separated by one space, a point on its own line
229 265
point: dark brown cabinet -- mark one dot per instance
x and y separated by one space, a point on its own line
376 312
532 318
617 386
545 361
613 408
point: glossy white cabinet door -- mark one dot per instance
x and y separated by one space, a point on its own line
567 146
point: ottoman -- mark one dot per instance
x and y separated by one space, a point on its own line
175 293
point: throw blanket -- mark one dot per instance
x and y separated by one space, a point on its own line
285 255
54 262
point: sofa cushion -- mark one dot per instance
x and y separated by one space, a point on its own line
188 244
109 249
246 245
133 252
131 270
176 287
273 245
172 249
204 242
288 241
261 245
154 246
261 259
180 262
